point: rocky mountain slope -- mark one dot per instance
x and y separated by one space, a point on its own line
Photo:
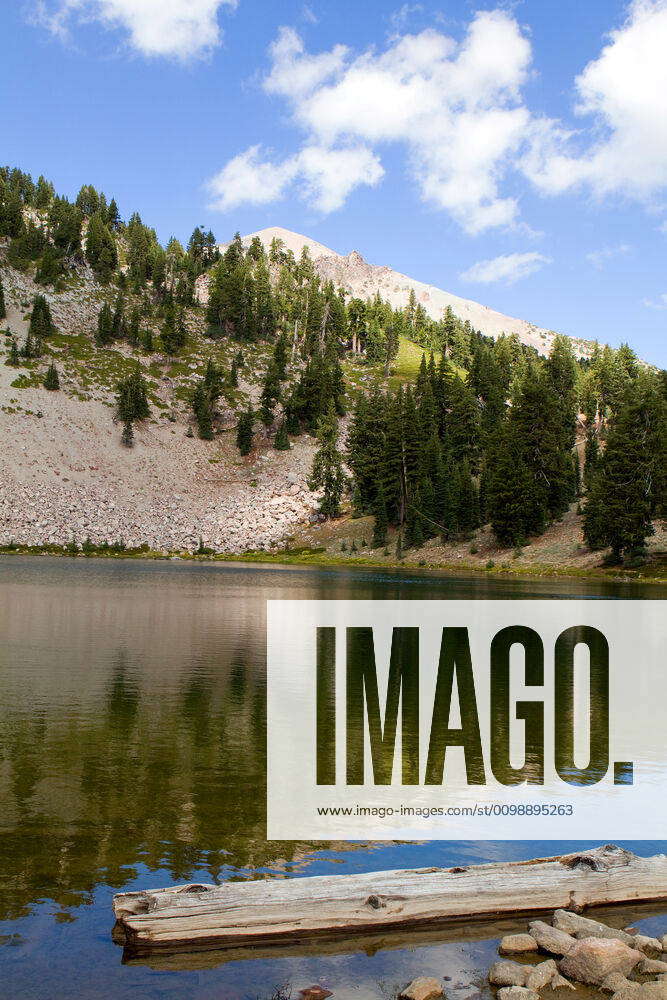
64 475
364 280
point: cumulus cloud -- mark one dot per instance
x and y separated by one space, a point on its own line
174 28
454 107
620 96
325 176
507 268
598 258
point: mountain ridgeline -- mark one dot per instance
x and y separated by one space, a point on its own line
423 421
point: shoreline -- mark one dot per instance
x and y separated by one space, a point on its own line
649 574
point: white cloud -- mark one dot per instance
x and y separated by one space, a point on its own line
659 303
598 258
507 268
326 177
399 18
621 95
455 108
172 28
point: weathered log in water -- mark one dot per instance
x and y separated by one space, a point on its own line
194 917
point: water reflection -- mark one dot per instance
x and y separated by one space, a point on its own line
132 741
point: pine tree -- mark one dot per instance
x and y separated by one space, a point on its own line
204 399
147 341
173 331
51 379
327 473
591 458
101 251
118 322
13 357
41 323
628 489
244 433
113 215
132 403
28 349
380 523
133 327
514 500
270 394
3 308
280 358
234 374
281 441
104 335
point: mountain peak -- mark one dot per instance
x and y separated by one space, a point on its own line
291 241
362 280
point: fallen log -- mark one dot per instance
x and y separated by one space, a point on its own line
195 917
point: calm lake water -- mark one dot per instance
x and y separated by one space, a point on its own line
132 706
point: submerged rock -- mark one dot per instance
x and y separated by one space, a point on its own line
651 967
517 993
509 974
560 982
551 939
591 960
649 945
517 944
584 927
424 988
642 991
616 982
540 975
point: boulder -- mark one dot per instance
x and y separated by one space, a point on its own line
642 991
560 982
664 942
424 988
591 960
509 974
517 993
616 982
583 927
541 974
517 944
651 967
551 939
649 945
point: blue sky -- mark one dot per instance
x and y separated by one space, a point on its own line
514 154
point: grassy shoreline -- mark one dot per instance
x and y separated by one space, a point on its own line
650 573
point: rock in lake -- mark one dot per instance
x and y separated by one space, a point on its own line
551 939
509 974
517 993
642 991
649 945
540 975
517 944
583 927
651 967
615 983
560 982
424 988
591 960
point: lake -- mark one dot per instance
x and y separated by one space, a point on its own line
132 755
